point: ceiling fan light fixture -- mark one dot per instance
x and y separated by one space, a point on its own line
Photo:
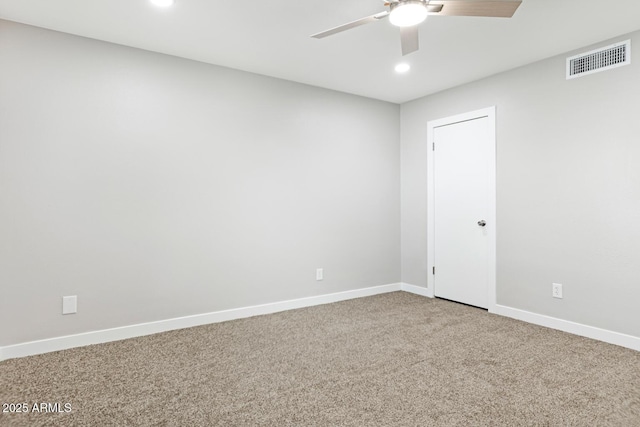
408 13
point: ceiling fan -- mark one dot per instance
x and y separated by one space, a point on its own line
407 14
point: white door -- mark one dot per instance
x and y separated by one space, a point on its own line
462 188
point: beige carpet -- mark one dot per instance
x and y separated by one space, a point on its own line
389 360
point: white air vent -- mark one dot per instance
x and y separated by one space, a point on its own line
602 59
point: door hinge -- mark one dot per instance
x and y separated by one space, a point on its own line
434 146
434 270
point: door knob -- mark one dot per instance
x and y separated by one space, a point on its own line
482 223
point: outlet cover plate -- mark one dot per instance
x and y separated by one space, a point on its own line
556 290
70 304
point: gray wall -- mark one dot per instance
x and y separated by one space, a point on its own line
568 155
154 187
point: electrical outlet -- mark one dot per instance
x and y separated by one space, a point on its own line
319 274
70 304
556 290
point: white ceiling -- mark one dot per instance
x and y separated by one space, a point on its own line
271 37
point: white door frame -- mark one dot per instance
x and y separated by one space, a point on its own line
489 112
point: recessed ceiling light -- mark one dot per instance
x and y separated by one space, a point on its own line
402 67
408 13
163 3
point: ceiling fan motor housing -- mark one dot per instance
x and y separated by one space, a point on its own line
394 4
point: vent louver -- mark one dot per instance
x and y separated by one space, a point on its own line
606 58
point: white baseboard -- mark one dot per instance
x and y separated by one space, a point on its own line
623 340
418 290
132 331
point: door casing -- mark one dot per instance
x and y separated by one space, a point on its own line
490 113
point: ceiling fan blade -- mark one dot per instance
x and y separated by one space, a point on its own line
350 25
409 39
492 8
